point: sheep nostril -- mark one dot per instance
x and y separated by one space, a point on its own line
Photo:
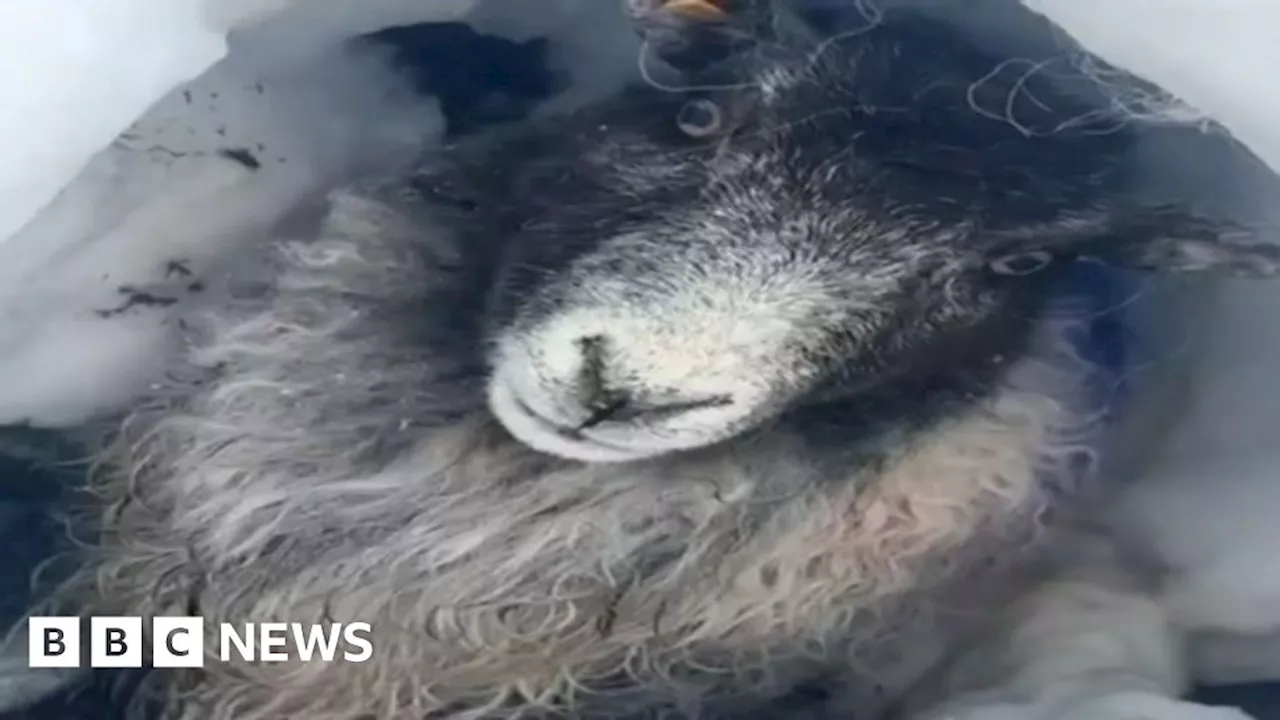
610 403
591 378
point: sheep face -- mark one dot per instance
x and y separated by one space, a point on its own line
715 281
812 220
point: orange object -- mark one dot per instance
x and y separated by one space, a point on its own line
698 9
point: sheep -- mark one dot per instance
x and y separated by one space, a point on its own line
741 393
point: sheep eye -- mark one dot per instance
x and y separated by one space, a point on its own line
699 118
1021 263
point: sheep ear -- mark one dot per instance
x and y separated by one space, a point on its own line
1170 240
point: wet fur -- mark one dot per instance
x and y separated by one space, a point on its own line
325 450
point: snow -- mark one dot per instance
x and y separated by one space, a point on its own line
1208 505
167 191
1216 55
174 187
103 64
93 71
291 26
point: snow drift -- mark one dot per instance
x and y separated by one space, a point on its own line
82 77
88 281
1207 507
86 286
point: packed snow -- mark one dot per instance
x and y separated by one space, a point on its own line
82 76
1208 507
85 287
117 214
1215 55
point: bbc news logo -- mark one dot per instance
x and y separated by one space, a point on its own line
176 642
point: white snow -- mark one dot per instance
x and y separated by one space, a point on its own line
1209 506
287 27
1217 55
89 69
163 193
306 108
83 75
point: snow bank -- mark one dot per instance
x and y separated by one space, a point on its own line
81 76
1222 452
85 289
88 282
1216 55
101 65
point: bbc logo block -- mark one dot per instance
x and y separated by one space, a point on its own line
176 642
53 642
114 642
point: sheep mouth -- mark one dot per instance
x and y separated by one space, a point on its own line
536 431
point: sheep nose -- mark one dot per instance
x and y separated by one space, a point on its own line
607 398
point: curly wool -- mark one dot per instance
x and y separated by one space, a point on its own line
323 460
